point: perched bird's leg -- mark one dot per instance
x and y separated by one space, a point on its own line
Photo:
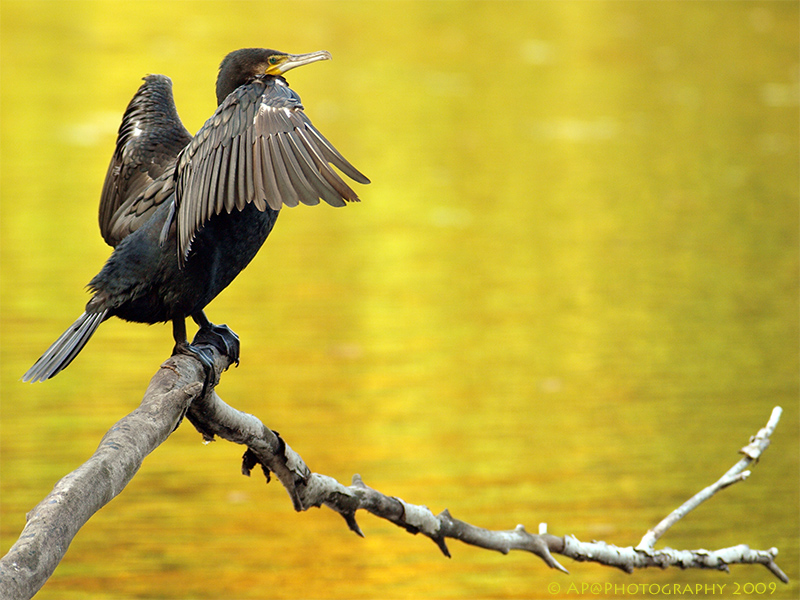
219 336
182 346
179 335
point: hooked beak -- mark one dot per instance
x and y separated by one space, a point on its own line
288 62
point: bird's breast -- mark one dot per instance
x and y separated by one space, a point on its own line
225 246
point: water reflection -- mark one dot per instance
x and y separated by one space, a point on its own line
568 295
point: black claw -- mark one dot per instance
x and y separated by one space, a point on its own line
222 338
205 360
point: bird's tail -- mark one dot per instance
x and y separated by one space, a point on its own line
65 348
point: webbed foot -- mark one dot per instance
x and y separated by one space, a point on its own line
222 338
206 360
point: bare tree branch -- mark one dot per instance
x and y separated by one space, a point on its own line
174 393
53 523
309 489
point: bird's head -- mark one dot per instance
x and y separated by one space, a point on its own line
241 66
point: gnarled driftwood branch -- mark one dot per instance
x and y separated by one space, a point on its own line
175 392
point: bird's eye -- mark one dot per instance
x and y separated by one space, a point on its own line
273 60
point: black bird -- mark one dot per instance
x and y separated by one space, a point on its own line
186 214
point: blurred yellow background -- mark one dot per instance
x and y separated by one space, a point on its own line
570 294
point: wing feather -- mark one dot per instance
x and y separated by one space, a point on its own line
285 187
230 180
243 174
207 173
301 184
260 148
332 155
148 143
327 173
320 186
215 170
274 196
260 191
249 186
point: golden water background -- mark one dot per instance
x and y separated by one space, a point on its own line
569 296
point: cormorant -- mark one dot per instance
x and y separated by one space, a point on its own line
186 214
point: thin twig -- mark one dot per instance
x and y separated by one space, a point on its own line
758 443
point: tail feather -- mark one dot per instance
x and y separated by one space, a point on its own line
65 348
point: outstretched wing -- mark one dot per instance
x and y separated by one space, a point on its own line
258 147
150 138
